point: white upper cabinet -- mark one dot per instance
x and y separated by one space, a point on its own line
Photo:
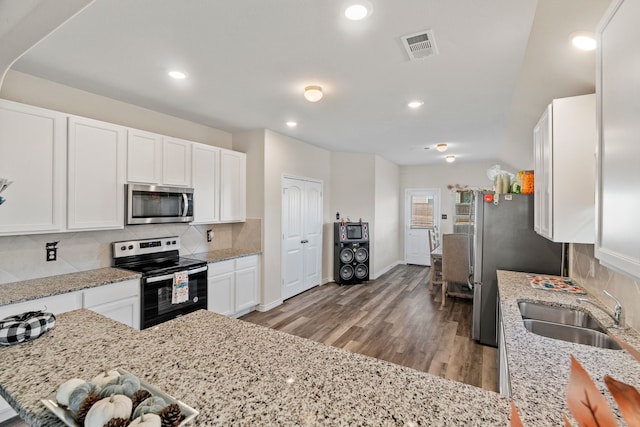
144 155
233 170
33 156
205 178
176 162
564 155
618 86
97 168
157 159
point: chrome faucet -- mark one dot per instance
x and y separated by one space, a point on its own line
617 310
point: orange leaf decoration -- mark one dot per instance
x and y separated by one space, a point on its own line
567 423
587 405
515 417
628 400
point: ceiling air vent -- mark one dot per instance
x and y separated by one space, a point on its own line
420 45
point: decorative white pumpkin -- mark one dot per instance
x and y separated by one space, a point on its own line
65 390
103 378
147 420
116 406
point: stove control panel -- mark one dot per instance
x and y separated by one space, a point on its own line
146 246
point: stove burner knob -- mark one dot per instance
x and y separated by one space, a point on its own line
123 248
168 242
174 242
130 247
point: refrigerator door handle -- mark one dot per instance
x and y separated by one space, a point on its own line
477 311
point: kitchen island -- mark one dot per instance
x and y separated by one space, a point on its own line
237 373
539 366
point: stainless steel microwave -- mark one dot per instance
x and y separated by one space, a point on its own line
155 204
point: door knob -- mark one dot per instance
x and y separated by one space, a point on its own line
304 241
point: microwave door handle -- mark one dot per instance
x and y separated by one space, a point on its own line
185 204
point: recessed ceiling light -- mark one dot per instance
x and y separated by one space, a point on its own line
441 147
178 75
292 124
583 40
415 104
356 12
450 158
313 93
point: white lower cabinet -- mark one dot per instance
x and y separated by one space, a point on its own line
233 286
117 301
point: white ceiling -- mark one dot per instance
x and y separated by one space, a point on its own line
248 61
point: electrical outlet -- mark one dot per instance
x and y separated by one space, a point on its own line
592 268
52 254
209 235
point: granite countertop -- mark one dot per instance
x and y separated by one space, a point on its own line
224 254
237 373
539 366
26 290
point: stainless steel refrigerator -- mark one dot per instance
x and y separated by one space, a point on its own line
504 239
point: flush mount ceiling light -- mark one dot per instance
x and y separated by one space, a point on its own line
313 93
292 124
178 75
441 147
450 158
415 104
356 12
583 40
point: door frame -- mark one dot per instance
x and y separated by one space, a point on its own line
408 192
282 246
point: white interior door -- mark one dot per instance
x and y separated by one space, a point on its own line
301 235
422 212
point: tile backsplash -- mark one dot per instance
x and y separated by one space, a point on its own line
23 257
626 289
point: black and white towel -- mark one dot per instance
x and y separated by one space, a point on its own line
24 327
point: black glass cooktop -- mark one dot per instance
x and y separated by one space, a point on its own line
160 266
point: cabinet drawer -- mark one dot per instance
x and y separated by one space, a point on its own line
246 262
54 304
222 267
113 292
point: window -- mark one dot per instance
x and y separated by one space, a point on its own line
421 211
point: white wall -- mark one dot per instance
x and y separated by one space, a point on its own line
387 227
32 90
284 155
352 186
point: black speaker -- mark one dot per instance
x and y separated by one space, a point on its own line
351 249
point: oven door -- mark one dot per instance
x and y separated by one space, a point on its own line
157 293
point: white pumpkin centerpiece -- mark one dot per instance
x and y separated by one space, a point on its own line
115 406
147 420
105 377
64 391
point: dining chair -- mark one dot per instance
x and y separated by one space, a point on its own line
435 272
455 265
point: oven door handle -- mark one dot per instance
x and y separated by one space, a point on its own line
170 276
185 204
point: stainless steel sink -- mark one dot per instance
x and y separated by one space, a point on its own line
571 333
561 315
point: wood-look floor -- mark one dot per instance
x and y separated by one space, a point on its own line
394 318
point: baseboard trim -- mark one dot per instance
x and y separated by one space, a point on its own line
267 307
386 269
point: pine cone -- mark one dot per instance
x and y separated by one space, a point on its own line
171 415
86 404
139 397
117 422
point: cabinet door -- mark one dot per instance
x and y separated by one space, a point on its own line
233 186
543 175
176 162
246 289
144 157
618 174
97 159
33 156
220 293
54 304
205 168
125 311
